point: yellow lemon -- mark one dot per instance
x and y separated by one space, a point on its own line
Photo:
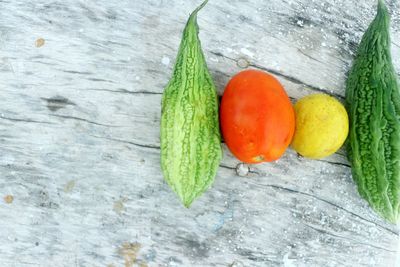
322 126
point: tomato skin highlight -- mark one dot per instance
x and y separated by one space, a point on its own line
257 117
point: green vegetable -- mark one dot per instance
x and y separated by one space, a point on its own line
373 100
190 135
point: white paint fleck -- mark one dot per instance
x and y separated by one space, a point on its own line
229 50
137 78
288 262
247 52
300 23
214 59
165 60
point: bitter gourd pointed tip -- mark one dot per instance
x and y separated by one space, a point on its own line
382 7
187 203
194 13
192 21
202 5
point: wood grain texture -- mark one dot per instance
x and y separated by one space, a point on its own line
81 84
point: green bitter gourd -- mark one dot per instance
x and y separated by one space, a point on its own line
190 135
373 101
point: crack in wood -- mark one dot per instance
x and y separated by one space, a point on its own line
84 120
396 45
100 80
334 163
24 120
128 142
76 72
346 238
256 257
124 91
227 167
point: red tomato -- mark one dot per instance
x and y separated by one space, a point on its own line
257 118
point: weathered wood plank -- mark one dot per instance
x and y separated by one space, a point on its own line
79 131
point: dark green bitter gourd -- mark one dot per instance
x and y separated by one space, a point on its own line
190 135
373 100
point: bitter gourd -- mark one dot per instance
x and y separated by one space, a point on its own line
190 135
373 101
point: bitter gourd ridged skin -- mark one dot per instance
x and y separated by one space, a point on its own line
190 135
373 101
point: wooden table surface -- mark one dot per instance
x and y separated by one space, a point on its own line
81 84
